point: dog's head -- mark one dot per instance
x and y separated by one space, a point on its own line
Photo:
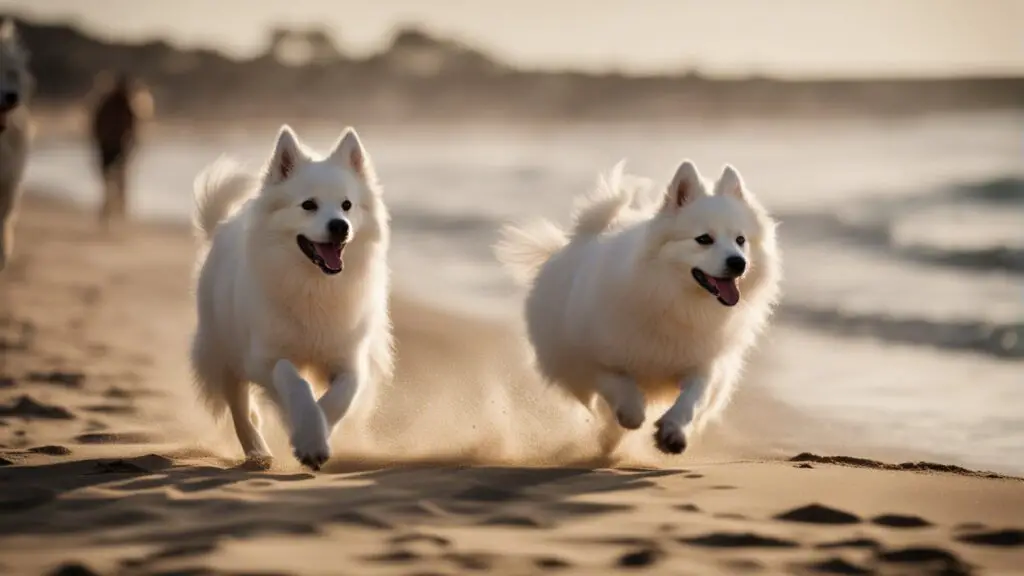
320 206
15 81
721 242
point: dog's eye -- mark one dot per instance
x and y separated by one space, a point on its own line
346 205
704 240
309 205
740 240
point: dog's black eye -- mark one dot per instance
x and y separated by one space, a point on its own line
309 205
346 205
704 240
740 240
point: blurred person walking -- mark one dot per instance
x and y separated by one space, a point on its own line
121 105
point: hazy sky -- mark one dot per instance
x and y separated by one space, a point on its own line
789 37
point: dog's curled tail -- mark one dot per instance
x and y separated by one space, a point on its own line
218 188
524 248
598 211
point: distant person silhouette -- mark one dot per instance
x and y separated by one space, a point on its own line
120 108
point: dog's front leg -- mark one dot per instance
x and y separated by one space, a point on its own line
308 430
344 387
669 434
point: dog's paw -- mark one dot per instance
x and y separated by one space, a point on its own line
669 437
258 462
312 456
631 417
310 444
259 457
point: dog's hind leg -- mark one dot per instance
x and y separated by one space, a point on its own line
624 410
669 435
246 419
225 392
623 397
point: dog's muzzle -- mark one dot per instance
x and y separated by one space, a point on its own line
725 289
326 255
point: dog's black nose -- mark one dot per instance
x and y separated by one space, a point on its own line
8 100
338 229
736 265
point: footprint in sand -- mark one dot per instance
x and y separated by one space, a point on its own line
926 559
739 540
836 566
516 521
73 569
640 558
394 557
52 450
1009 538
141 465
27 408
430 541
818 514
855 543
900 521
113 438
551 563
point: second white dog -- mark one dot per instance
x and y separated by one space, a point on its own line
295 283
636 306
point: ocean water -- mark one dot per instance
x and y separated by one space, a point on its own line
903 316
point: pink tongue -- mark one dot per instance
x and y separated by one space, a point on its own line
728 291
330 253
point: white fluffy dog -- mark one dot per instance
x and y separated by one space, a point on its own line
295 282
645 305
15 131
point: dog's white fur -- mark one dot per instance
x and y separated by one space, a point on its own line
614 311
16 136
267 315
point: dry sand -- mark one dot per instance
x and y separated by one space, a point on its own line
472 466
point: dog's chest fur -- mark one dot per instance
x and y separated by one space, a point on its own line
661 344
317 323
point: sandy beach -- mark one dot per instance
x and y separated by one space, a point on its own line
108 467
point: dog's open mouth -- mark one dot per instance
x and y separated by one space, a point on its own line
326 255
725 289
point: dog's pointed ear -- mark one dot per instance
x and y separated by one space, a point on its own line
350 153
730 183
685 186
287 155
